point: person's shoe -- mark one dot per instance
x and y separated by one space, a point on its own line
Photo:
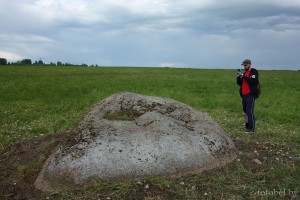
249 132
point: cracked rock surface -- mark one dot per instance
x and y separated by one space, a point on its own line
128 136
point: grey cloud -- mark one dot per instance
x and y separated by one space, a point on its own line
213 35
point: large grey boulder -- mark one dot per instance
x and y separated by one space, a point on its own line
129 136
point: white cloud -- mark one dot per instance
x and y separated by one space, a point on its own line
168 64
9 55
27 38
61 10
25 46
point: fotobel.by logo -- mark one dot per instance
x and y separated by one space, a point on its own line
281 193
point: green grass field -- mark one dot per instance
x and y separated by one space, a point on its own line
40 101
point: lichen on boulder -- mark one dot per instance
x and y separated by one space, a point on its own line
127 136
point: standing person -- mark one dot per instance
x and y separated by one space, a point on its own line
248 82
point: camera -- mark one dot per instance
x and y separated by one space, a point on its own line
239 73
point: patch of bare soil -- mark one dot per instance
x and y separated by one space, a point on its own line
20 164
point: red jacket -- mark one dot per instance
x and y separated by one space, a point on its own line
252 81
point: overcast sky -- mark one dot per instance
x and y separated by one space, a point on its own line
172 33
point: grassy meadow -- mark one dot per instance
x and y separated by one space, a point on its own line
39 102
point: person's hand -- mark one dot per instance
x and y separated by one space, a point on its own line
240 74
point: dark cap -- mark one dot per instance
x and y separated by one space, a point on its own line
247 61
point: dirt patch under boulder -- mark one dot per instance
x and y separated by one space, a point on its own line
20 165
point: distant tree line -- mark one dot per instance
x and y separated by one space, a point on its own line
3 61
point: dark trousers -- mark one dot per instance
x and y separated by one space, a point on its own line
248 102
